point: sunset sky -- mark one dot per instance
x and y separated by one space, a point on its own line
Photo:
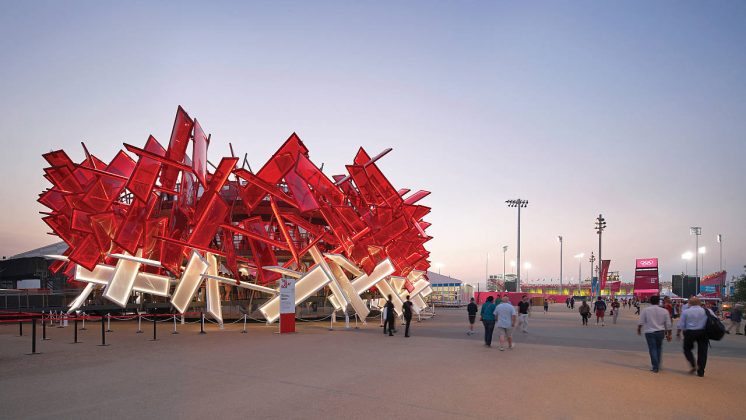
636 110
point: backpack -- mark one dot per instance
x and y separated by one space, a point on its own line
714 328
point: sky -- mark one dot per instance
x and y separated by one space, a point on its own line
634 110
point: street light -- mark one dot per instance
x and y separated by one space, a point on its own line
560 242
439 265
580 269
702 251
512 266
686 257
720 243
696 231
527 265
592 259
600 226
505 249
518 203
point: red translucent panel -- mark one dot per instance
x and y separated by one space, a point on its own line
208 222
419 195
81 221
154 228
54 199
284 230
226 240
217 181
86 252
382 185
59 158
283 159
301 193
264 187
262 253
187 199
391 231
199 153
121 165
146 171
102 193
130 231
104 226
63 179
321 185
177 147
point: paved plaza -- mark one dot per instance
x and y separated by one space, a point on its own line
559 370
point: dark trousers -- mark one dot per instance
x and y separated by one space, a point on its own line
585 318
388 325
406 329
489 327
655 345
699 337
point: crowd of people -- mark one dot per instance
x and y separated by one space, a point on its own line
657 321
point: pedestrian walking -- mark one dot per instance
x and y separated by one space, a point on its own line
407 309
523 307
615 309
572 302
655 322
637 307
506 319
487 315
471 309
693 322
600 308
567 302
735 319
668 306
546 306
585 312
389 321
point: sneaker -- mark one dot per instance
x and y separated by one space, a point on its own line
512 345
502 348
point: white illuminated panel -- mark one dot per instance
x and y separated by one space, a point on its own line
415 275
354 298
212 290
307 285
101 274
144 282
80 300
418 303
284 271
120 286
426 291
346 264
397 283
128 257
243 284
190 281
385 288
337 293
365 282
335 303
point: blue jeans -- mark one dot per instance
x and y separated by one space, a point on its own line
655 343
489 327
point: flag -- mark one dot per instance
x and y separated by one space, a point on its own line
604 272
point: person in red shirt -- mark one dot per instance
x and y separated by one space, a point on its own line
668 306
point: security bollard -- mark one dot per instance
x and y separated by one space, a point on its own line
83 327
103 332
20 328
75 336
44 330
174 331
154 327
108 322
244 324
33 336
202 323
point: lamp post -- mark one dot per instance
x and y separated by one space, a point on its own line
580 269
600 226
592 260
720 244
560 242
702 251
439 265
696 231
686 257
505 249
527 266
518 203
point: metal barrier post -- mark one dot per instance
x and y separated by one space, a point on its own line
174 331
103 332
244 324
154 328
108 322
20 328
43 330
83 329
33 336
75 339
202 323
139 323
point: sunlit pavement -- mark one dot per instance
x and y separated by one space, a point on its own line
560 369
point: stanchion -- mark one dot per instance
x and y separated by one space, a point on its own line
44 330
356 327
51 319
83 328
108 322
103 332
202 323
60 324
20 328
347 320
174 331
244 324
182 319
33 336
139 323
155 338
331 320
75 336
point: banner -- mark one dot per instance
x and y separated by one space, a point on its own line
615 286
712 284
287 305
595 290
604 272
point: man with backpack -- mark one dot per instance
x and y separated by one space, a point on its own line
693 322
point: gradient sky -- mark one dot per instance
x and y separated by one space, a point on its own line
636 110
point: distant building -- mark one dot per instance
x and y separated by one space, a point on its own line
448 290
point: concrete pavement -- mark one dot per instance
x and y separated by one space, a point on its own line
559 370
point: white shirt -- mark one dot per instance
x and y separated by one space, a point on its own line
694 318
655 318
504 313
